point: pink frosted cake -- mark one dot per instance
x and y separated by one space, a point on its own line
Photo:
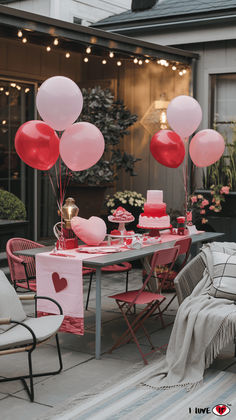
121 215
154 215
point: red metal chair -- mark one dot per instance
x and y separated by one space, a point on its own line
129 300
123 267
22 269
167 282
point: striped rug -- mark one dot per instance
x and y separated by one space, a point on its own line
129 400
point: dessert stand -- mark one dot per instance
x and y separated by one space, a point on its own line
154 232
121 229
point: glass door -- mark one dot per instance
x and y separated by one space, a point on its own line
16 107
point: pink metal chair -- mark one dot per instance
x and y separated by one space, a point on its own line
123 267
129 300
22 269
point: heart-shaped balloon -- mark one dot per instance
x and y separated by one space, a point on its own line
167 148
92 231
37 144
59 283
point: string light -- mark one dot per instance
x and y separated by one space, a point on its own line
180 73
104 61
24 40
140 62
86 59
147 61
111 54
67 55
88 50
119 63
13 85
1 89
184 71
19 33
135 60
27 90
174 68
56 41
7 93
48 49
4 122
18 87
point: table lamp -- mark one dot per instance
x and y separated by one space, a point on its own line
68 211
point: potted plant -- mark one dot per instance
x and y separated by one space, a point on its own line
12 218
113 119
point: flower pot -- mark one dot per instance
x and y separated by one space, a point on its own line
89 198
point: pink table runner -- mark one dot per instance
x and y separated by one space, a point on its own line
60 278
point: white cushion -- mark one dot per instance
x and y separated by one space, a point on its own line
43 327
224 275
10 305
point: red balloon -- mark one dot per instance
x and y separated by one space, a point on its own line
167 148
37 144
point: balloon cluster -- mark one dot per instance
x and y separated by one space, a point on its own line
59 102
184 115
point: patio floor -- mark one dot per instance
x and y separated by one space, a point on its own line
81 371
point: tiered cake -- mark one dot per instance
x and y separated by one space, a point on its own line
154 215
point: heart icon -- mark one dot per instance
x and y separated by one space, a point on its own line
58 283
221 409
92 231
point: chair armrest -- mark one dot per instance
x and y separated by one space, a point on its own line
52 300
27 297
17 259
5 321
12 321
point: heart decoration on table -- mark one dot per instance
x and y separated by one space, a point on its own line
59 283
92 231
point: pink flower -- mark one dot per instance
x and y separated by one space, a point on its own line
194 199
213 200
224 190
212 208
216 210
204 203
204 221
189 216
200 196
202 211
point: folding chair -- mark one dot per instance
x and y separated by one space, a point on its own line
123 267
128 300
184 250
22 269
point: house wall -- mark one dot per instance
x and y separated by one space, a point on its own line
88 11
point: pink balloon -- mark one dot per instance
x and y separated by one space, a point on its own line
184 115
81 146
206 147
59 102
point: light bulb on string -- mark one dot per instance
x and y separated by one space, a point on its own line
86 59
174 68
147 61
140 62
184 71
19 33
67 55
88 50
119 63
135 60
104 61
48 49
56 41
24 40
111 54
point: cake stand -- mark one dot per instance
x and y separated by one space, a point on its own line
153 231
121 223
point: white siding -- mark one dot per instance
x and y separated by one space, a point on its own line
89 11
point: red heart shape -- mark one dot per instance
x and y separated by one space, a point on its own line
58 283
167 148
220 409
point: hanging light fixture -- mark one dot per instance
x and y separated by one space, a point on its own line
88 50
67 55
119 63
48 49
56 41
104 61
111 54
19 33
24 40
86 59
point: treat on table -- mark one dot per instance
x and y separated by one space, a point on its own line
154 215
121 215
115 232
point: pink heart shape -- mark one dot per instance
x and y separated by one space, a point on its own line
58 283
92 231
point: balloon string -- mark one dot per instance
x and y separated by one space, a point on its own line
186 178
56 173
54 191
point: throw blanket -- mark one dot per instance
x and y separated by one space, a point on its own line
203 326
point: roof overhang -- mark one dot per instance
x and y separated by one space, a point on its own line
75 36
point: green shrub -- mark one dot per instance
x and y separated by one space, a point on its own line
11 207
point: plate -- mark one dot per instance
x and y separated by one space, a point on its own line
98 250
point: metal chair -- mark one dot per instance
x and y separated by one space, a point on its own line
19 333
123 267
22 269
128 300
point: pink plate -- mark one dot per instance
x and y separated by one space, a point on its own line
98 250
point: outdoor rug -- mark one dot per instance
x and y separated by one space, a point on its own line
129 399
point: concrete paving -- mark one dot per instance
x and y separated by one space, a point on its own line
81 371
